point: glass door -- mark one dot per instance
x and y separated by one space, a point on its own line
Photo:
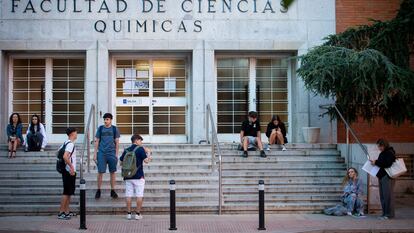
250 84
151 99
52 88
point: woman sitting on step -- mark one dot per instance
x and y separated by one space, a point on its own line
14 134
36 135
352 196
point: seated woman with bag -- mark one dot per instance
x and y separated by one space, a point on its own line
14 134
36 135
352 196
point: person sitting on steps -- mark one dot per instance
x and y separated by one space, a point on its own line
14 134
276 132
250 135
36 139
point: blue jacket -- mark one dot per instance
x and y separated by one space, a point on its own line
15 131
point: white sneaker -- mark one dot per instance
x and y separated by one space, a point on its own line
42 150
349 214
129 216
138 216
284 148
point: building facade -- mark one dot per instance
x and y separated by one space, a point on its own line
157 64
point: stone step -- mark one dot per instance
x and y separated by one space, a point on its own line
226 153
285 207
307 146
283 158
166 166
285 188
257 175
275 198
248 166
284 180
110 208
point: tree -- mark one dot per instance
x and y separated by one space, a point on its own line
366 69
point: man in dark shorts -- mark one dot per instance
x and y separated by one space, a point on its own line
68 174
250 135
106 152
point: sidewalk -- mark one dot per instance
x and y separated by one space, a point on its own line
275 223
285 223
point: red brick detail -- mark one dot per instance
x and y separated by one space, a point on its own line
369 133
351 13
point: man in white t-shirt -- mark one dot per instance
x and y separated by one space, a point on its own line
69 174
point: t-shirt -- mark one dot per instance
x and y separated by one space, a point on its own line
106 140
69 148
250 128
141 156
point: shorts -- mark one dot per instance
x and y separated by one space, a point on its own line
69 183
252 141
134 187
104 160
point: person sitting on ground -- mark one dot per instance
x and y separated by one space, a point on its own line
250 135
276 132
36 139
134 183
14 134
352 196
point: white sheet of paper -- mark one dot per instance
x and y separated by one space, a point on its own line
370 169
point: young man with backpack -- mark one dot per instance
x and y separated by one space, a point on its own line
132 161
106 152
66 165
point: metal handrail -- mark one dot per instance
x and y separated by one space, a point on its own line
364 149
86 140
214 142
348 127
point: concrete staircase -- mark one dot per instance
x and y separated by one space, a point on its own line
29 184
306 178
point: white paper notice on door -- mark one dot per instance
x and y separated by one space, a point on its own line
370 169
170 85
129 88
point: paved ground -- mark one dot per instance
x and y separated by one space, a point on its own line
283 223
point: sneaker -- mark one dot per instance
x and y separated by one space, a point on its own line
98 194
262 154
72 214
349 214
63 216
42 150
138 216
245 154
268 147
113 194
383 218
26 149
284 148
129 216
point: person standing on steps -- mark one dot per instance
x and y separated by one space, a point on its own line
106 152
250 135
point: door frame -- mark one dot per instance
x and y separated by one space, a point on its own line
253 56
48 109
152 56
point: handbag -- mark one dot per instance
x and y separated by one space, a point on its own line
397 168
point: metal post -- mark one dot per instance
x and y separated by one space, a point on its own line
82 206
207 124
348 146
172 206
261 206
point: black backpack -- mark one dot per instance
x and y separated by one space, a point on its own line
60 162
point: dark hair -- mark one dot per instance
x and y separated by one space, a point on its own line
383 142
276 118
19 120
346 178
37 125
70 130
253 114
107 115
136 137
